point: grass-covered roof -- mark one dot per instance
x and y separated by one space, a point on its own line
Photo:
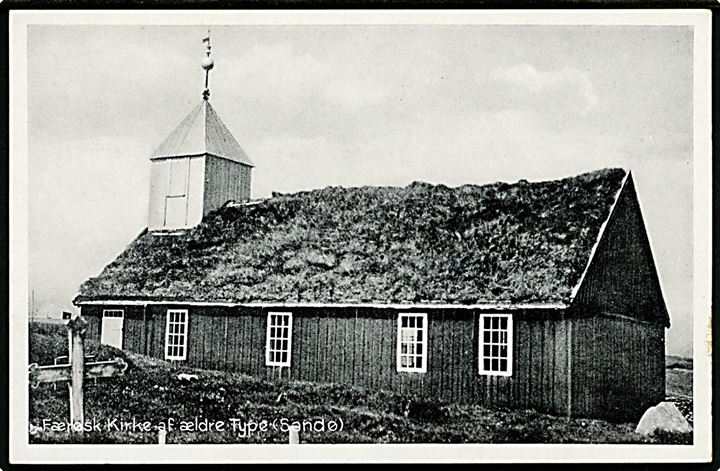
518 243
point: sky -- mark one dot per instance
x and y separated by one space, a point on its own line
315 106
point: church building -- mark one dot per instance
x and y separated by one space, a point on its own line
537 295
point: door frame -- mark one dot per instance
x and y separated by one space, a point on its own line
121 316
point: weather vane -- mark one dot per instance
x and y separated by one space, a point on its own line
207 65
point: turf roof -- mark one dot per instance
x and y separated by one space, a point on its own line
501 243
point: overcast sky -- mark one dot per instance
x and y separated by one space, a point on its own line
355 105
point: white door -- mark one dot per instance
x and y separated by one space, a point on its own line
112 328
175 212
177 190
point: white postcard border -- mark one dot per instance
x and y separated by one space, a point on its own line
22 452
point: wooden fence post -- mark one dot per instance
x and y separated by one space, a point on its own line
77 327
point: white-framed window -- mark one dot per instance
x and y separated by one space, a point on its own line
412 342
113 313
176 334
111 330
278 346
495 349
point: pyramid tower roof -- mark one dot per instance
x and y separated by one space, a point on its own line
202 132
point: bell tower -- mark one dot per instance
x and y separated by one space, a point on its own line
198 167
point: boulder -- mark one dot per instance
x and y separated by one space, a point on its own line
664 416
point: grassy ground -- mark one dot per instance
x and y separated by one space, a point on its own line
679 382
151 391
678 375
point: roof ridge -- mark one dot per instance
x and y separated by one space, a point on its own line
187 133
424 184
226 136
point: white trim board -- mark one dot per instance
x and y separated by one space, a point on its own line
601 232
514 307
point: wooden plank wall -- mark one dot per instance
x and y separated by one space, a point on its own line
358 346
618 367
540 378
93 320
225 180
622 278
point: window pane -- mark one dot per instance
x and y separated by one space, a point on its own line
494 364
284 357
503 322
419 335
486 336
486 364
411 322
495 350
495 337
418 362
486 321
403 361
419 321
495 322
403 321
418 349
486 350
503 365
503 351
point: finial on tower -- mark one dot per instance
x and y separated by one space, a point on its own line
207 65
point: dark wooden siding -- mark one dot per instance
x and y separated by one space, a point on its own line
618 322
618 367
358 346
622 278
93 329
615 368
225 180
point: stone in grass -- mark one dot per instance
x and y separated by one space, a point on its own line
664 416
